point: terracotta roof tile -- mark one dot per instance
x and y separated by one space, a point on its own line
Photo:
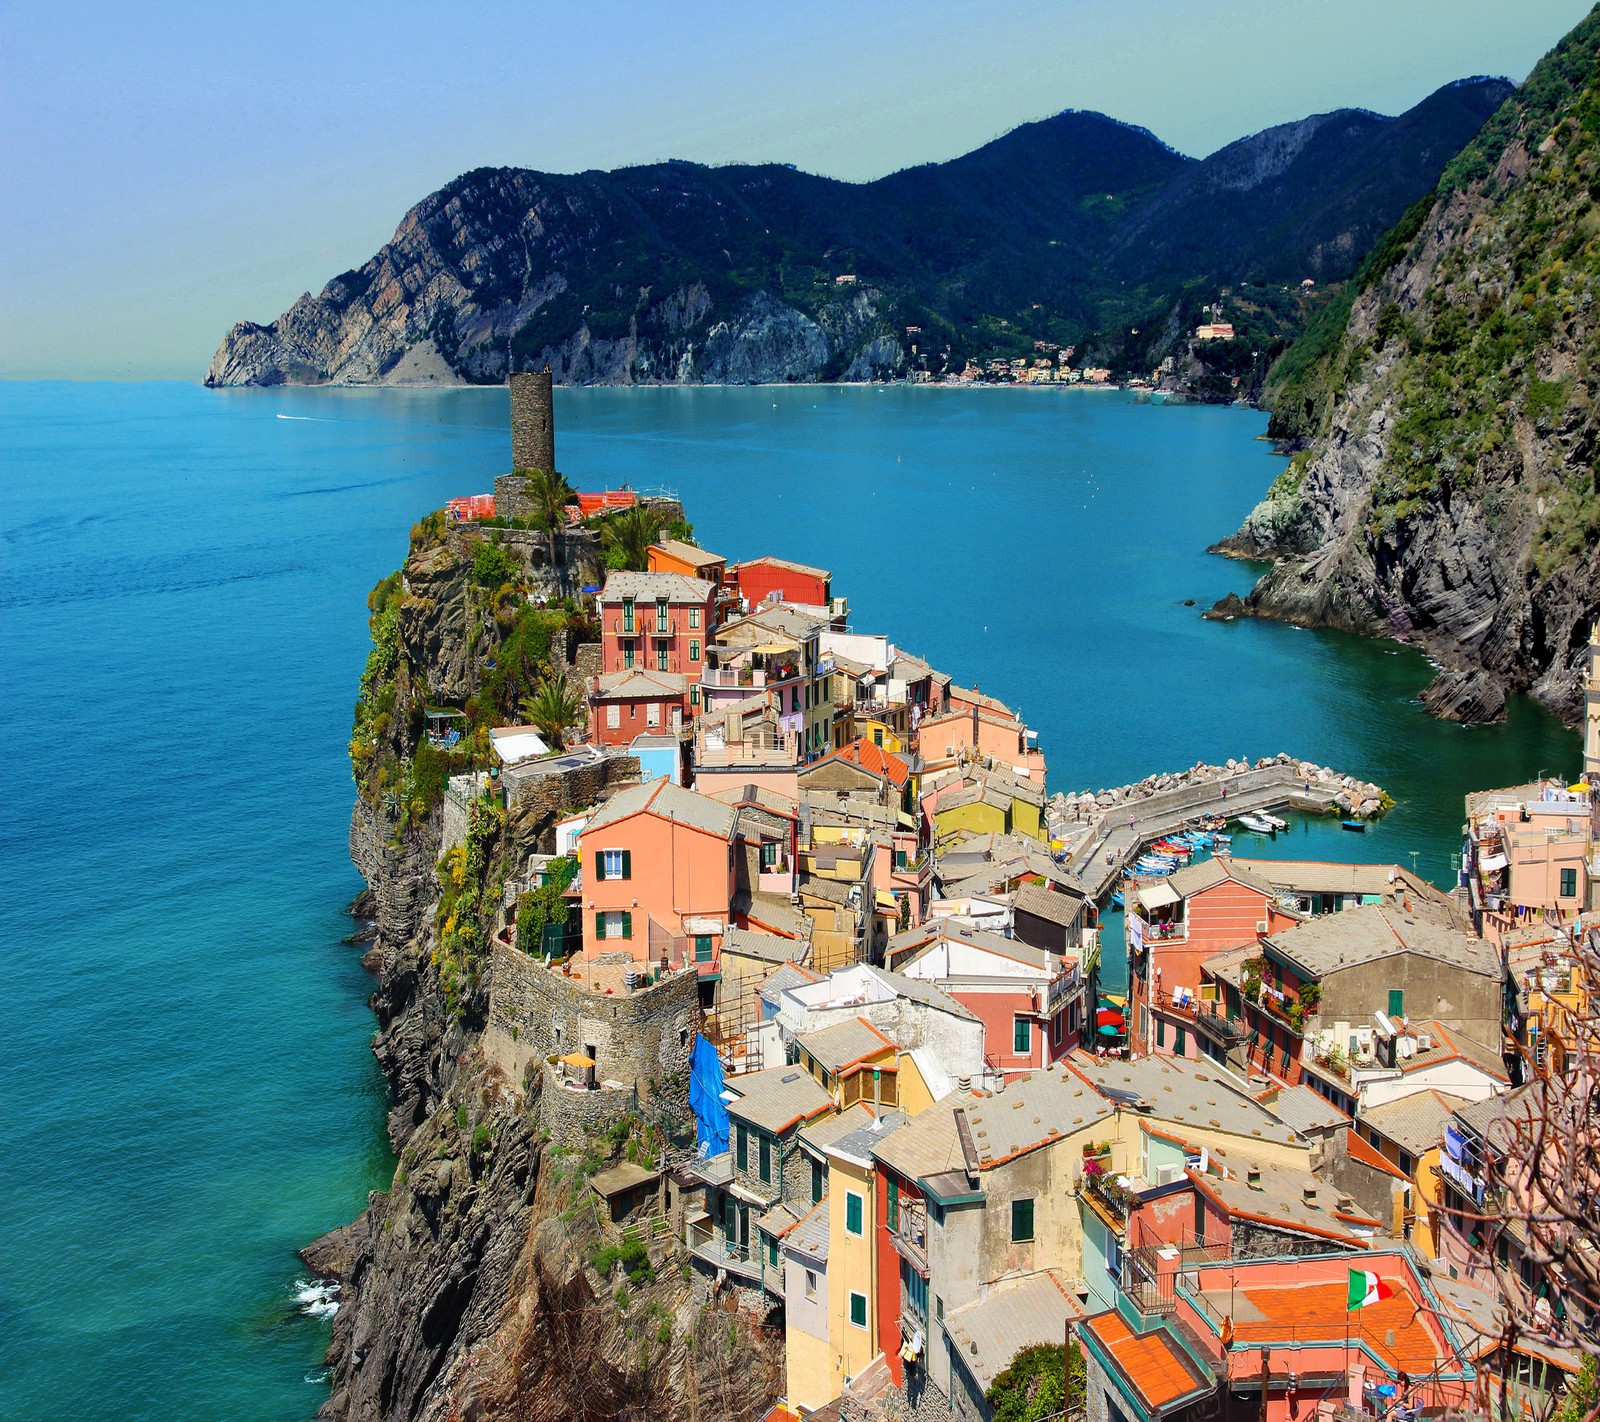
1150 1361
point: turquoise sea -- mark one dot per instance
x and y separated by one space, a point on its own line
189 1093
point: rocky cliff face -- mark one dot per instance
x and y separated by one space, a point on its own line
476 1285
1448 492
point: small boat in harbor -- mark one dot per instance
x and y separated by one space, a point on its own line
1275 821
1258 824
1354 826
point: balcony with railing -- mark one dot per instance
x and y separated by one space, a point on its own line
910 1238
1156 930
712 1247
1207 1016
1113 1202
621 626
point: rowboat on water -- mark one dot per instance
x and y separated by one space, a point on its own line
1354 826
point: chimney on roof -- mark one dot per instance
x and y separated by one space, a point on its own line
1252 1177
1310 1194
533 421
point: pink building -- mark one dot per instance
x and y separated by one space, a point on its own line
626 704
658 622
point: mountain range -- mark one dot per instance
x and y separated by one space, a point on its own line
677 272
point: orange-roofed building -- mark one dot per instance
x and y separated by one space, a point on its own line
671 555
1277 1323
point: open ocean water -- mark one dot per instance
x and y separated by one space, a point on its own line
189 1092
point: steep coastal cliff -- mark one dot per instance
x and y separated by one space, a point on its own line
678 273
486 1281
1445 483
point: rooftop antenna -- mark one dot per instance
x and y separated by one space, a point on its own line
1413 854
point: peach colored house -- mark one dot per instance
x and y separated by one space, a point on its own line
666 871
976 727
1530 853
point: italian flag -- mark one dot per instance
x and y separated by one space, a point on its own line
1366 1288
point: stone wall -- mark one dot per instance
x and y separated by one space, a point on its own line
535 802
576 1119
640 1040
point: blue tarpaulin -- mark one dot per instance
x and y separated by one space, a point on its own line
705 1098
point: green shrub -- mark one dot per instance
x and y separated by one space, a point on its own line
493 565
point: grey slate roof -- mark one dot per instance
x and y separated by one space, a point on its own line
669 801
777 1099
1279 1196
647 587
1017 1314
639 682
818 1135
1193 878
788 976
925 993
1363 935
1064 909
808 1240
1302 1109
1187 1094
769 947
844 1043
1414 1123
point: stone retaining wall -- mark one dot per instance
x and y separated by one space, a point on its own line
640 1040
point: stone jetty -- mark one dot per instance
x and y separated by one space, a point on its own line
1106 830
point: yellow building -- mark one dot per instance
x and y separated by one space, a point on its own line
853 1218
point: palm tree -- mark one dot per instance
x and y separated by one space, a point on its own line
555 708
550 494
627 537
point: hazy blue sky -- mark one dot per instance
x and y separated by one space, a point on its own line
168 169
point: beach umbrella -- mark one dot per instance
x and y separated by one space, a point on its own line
1110 1031
1108 1017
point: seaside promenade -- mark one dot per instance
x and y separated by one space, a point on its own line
1112 843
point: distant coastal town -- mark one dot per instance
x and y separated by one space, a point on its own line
797 904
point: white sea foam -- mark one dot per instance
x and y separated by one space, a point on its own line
317 1298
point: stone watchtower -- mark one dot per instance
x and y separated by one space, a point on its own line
533 440
533 421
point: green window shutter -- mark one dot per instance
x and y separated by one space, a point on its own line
1161 1031
1021 1221
694 695
741 1148
627 924
702 947
893 1218
858 1310
816 1181
599 925
1021 1035
627 864
852 1213
1180 1045
1397 1002
599 865
764 1158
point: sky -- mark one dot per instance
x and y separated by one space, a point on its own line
169 169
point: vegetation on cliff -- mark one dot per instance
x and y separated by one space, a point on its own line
676 272
1450 480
